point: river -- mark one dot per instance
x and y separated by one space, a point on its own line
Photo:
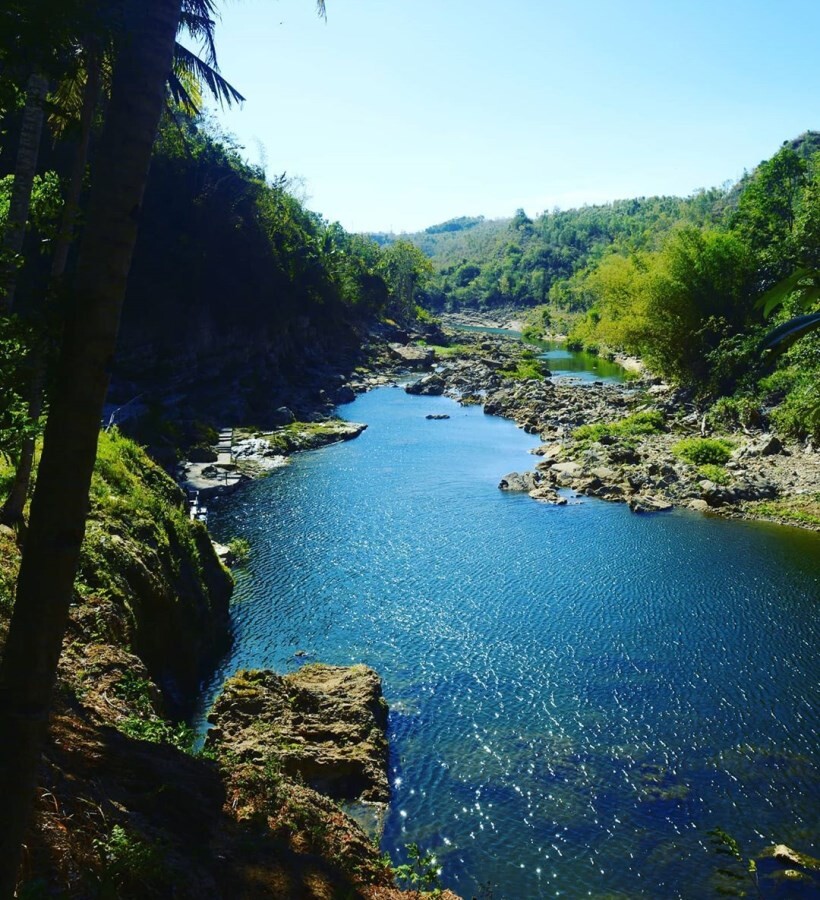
578 694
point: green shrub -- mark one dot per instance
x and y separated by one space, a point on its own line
640 423
799 414
240 549
128 863
158 731
715 473
734 412
704 451
526 370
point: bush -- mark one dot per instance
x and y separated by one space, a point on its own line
526 370
704 451
650 422
734 412
715 473
799 414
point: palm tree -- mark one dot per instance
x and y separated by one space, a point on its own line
77 96
60 501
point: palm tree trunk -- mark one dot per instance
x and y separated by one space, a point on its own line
25 166
12 511
60 502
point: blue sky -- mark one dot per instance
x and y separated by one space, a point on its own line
398 114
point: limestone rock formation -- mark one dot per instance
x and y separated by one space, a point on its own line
323 724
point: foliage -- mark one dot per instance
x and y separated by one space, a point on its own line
801 509
158 731
526 369
704 451
715 473
128 862
730 876
799 414
240 549
728 413
15 425
640 423
421 872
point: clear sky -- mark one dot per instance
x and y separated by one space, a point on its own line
398 114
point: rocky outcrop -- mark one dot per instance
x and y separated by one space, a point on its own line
763 478
429 386
324 725
414 357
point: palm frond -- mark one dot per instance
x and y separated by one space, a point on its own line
205 8
201 29
185 91
803 280
320 9
220 89
781 338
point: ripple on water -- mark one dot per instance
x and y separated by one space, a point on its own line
577 694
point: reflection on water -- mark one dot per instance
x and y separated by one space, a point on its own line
562 362
577 694
583 366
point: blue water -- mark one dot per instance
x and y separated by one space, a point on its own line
578 694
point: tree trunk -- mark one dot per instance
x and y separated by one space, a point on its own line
60 502
25 166
12 511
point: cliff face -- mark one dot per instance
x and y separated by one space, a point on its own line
149 578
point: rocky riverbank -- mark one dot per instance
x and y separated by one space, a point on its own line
592 443
125 806
641 442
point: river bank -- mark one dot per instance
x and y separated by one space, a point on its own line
667 457
126 806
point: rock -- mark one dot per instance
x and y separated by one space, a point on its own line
648 505
283 416
545 494
323 724
699 505
567 468
202 454
785 855
223 553
413 357
517 482
344 394
429 386
436 416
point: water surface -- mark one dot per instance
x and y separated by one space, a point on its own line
577 694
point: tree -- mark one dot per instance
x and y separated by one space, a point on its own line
77 94
25 167
404 267
60 500
142 62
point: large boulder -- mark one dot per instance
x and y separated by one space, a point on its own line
413 357
325 725
430 386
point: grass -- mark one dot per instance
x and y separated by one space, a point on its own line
801 509
453 350
133 498
628 428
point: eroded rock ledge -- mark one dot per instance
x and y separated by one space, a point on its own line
323 725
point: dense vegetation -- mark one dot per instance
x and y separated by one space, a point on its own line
84 91
690 285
